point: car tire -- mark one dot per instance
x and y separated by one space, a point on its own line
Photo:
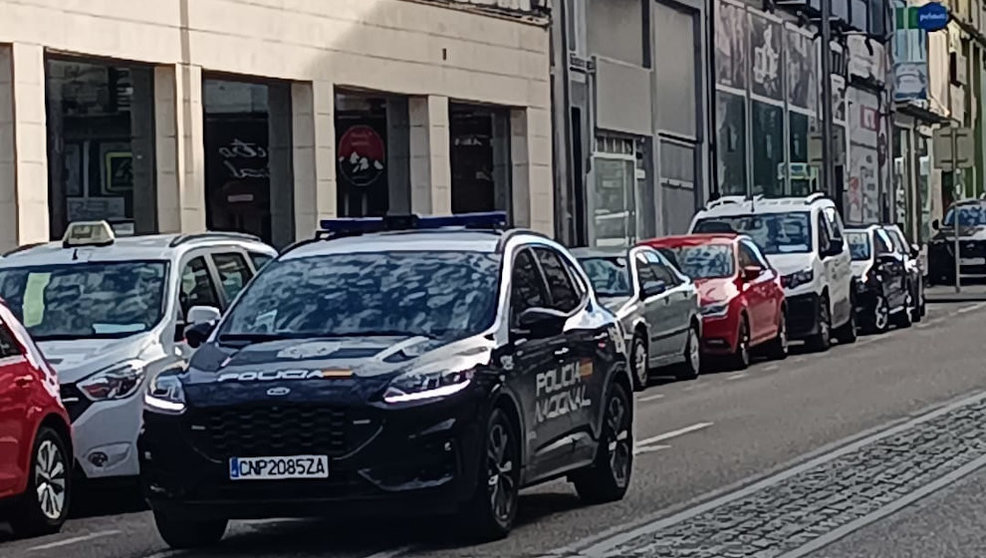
879 321
821 341
778 347
741 356
181 534
692 366
608 478
902 319
491 512
848 332
639 363
44 506
917 312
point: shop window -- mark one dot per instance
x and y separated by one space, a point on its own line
100 126
678 184
768 152
479 153
372 150
922 163
731 145
803 176
612 204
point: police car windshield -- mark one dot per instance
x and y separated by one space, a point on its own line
970 215
86 300
447 295
610 276
775 233
859 245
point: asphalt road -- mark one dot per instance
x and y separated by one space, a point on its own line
726 439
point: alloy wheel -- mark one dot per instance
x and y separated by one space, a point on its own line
640 363
782 337
743 345
881 314
500 467
49 480
618 440
694 351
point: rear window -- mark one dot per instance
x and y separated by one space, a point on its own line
609 276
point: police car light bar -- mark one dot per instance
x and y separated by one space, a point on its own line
88 233
488 220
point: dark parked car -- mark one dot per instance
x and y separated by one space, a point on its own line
972 243
882 293
915 271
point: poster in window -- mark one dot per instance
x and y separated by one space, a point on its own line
731 44
765 57
361 155
802 83
116 168
731 135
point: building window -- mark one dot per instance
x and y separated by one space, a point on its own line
731 143
923 168
768 151
612 202
678 184
100 126
479 154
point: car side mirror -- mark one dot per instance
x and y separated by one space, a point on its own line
653 288
542 322
936 224
196 334
201 320
202 315
751 272
915 250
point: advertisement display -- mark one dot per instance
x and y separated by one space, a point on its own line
910 55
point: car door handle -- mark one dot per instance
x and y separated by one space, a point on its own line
561 352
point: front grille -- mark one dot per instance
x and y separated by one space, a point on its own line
246 431
74 401
802 313
972 249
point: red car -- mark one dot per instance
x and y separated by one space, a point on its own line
35 436
741 294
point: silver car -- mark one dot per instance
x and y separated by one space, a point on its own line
659 308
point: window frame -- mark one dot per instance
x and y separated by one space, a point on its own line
16 349
247 266
572 282
542 283
212 274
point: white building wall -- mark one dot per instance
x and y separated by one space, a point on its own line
405 47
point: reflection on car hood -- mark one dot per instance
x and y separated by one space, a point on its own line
716 289
75 359
786 264
344 357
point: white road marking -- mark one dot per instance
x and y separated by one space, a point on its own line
74 540
771 367
649 449
391 553
673 434
654 397
737 376
972 308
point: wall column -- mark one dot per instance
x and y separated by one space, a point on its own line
23 146
531 180
179 148
313 146
431 171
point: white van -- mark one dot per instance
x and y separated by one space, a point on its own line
802 238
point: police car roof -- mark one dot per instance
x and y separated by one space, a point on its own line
429 240
140 247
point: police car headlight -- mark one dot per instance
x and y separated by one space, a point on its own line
115 382
798 278
417 386
165 395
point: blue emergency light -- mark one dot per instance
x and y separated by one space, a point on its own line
357 225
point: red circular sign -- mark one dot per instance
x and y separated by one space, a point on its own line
361 155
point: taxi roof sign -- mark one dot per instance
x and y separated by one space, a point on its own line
88 233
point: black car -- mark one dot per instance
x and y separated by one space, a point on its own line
391 366
911 254
972 243
883 295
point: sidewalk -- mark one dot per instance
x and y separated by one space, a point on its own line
946 293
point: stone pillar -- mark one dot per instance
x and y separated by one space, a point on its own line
180 148
431 171
313 145
23 146
530 151
280 163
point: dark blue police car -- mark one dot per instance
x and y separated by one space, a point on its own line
415 364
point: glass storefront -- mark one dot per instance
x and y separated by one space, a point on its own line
479 153
767 150
731 143
612 203
369 128
100 134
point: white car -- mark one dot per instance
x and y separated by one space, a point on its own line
802 238
109 313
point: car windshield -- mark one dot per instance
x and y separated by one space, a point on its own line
775 233
859 245
446 295
970 215
706 261
610 276
86 300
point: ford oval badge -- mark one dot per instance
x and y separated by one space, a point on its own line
278 391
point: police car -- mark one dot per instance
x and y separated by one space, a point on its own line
397 365
110 312
802 237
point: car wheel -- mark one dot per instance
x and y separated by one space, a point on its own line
847 333
607 479
917 312
494 506
640 363
180 533
822 340
44 505
741 357
902 319
690 369
880 320
779 348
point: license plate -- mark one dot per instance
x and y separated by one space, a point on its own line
279 467
972 261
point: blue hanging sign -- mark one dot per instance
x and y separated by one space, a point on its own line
932 16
